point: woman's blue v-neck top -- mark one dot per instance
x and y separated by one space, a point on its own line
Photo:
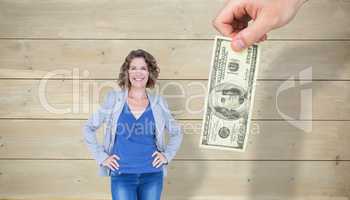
135 142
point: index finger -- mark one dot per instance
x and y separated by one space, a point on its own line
115 156
223 21
232 18
227 17
155 153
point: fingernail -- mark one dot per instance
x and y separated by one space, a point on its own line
239 44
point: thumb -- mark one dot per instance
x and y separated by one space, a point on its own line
250 35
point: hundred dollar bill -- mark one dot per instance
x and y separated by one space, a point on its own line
229 102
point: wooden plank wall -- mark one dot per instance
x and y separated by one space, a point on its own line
42 154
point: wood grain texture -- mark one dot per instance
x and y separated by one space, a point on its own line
268 140
178 59
180 19
317 100
78 179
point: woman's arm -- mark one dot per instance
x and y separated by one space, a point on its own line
174 130
94 123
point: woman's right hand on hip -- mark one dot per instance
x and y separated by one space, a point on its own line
111 162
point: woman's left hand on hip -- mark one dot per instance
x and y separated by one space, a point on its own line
159 159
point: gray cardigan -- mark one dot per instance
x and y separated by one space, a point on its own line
109 113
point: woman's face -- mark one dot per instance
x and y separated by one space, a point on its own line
138 72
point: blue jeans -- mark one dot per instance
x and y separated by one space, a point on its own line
144 186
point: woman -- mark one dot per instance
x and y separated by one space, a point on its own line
134 152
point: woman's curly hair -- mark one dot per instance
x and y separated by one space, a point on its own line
152 65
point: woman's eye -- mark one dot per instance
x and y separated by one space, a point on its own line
141 68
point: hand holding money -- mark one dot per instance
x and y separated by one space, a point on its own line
230 97
232 20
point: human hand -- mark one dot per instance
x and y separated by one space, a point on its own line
111 162
232 20
159 159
